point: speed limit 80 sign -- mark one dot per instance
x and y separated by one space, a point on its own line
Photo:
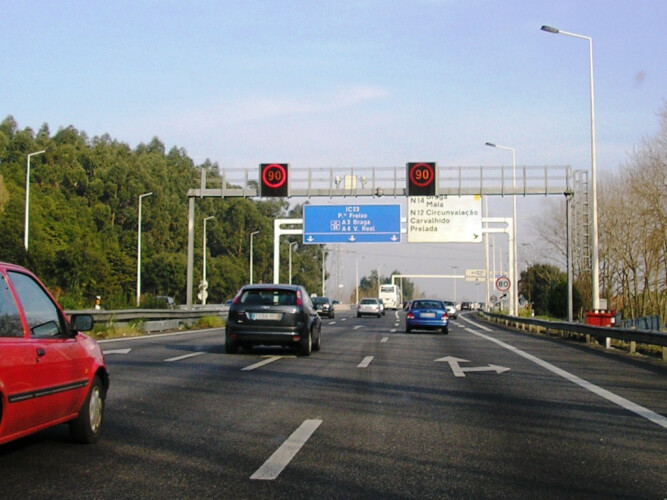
503 284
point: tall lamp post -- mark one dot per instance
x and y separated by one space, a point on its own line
595 265
141 196
324 256
204 283
514 301
27 198
251 254
292 244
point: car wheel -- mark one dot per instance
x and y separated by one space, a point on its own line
231 347
358 315
318 343
87 426
445 330
306 346
379 315
408 329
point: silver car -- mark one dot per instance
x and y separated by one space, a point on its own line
370 307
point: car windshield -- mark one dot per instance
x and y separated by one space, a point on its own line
269 297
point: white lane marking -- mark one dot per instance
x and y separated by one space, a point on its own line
268 360
384 339
185 356
654 417
117 351
357 327
272 468
366 361
331 323
393 330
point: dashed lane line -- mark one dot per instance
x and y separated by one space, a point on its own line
281 458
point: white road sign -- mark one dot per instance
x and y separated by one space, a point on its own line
441 219
475 275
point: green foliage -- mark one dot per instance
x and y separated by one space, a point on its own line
545 286
84 212
558 300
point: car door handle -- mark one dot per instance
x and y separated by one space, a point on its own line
40 352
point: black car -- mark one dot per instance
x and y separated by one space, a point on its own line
324 306
273 315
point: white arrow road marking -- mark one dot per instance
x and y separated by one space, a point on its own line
366 361
384 339
272 468
458 371
269 359
117 351
185 356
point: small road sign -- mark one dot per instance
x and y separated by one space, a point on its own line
503 284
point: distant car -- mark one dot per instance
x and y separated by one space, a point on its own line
50 373
324 306
273 315
427 314
451 309
369 307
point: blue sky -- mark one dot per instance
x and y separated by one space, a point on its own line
341 83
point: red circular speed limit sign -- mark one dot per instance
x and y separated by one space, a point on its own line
503 284
422 174
274 175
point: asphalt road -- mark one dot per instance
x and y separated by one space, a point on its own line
478 413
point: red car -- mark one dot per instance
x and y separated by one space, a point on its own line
49 372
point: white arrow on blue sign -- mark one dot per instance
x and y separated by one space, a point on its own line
351 224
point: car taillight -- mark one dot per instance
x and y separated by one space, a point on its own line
237 299
410 316
299 301
445 316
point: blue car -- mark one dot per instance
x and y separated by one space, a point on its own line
427 314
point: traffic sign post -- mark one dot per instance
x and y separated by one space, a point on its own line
351 224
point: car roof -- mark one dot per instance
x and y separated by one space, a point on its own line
269 286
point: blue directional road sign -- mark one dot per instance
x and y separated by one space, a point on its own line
351 224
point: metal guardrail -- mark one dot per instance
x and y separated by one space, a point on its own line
565 329
154 320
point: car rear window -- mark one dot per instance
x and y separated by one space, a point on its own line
269 297
369 301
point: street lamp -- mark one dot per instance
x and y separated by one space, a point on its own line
454 268
204 283
595 265
141 196
356 276
324 253
514 300
292 243
27 197
251 253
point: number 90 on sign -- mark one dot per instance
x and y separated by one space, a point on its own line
503 284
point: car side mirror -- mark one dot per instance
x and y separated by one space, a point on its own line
82 322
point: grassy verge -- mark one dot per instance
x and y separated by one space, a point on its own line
110 330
